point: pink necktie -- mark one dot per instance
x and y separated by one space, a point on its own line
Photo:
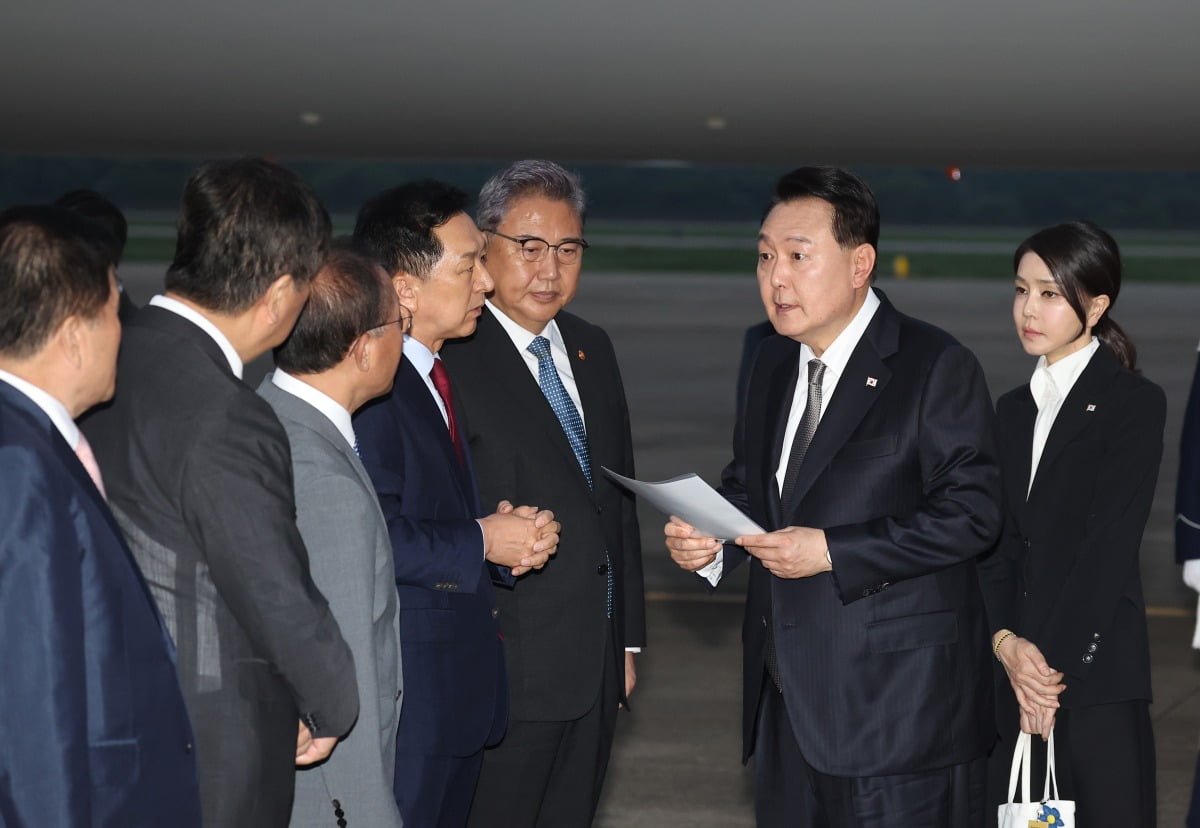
84 452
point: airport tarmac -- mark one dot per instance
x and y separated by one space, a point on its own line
678 336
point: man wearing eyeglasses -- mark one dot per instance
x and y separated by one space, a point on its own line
446 553
545 409
343 352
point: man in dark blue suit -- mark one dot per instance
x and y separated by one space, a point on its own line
95 728
865 451
446 552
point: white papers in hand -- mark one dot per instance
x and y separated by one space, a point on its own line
692 500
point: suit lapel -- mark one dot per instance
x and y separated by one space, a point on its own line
415 395
781 388
1021 426
514 376
1077 411
862 383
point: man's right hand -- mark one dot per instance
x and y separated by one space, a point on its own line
521 538
309 750
688 547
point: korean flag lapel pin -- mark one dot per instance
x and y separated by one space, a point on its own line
872 382
1091 407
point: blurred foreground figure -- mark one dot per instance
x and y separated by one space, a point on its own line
200 479
95 730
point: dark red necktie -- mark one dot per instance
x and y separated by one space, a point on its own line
441 381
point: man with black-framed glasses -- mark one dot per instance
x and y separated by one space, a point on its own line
545 408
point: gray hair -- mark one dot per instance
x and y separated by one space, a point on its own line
528 178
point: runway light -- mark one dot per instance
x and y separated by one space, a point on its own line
954 172
310 118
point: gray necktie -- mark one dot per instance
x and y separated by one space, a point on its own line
804 432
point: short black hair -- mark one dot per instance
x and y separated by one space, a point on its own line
98 209
242 225
52 265
855 211
348 297
395 227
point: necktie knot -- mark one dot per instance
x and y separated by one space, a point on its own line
540 348
816 372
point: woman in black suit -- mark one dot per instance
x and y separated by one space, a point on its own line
1079 449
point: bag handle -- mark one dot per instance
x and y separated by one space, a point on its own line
1020 760
1051 776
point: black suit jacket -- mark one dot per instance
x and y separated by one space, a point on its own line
199 476
883 661
554 620
95 728
1065 574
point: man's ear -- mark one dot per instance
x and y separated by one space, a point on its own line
277 297
408 288
69 340
864 264
361 351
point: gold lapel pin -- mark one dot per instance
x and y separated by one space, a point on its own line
872 382
581 354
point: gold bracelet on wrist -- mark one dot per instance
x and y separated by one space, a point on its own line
999 641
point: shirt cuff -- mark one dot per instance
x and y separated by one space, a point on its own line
712 573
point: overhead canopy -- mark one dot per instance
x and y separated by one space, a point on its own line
1064 83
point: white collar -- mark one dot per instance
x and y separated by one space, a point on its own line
1058 379
54 409
319 400
201 322
418 355
837 355
521 337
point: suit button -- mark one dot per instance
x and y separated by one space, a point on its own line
188 747
764 620
1095 636
495 612
1091 648
602 569
1088 659
1026 543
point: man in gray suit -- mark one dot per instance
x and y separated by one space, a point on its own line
344 351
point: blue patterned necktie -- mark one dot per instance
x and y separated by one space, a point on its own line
572 424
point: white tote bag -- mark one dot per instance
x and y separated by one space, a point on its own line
1051 812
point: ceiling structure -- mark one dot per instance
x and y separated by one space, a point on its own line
1031 83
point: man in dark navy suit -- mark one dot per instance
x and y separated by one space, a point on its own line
446 552
865 450
96 732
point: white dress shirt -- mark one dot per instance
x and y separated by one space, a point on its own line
319 400
522 339
835 358
54 409
197 319
1050 385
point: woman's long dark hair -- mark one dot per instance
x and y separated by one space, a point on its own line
1085 262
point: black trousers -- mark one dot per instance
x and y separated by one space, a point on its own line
1104 758
549 774
790 793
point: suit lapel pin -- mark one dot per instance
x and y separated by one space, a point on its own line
581 354
872 382
1091 407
